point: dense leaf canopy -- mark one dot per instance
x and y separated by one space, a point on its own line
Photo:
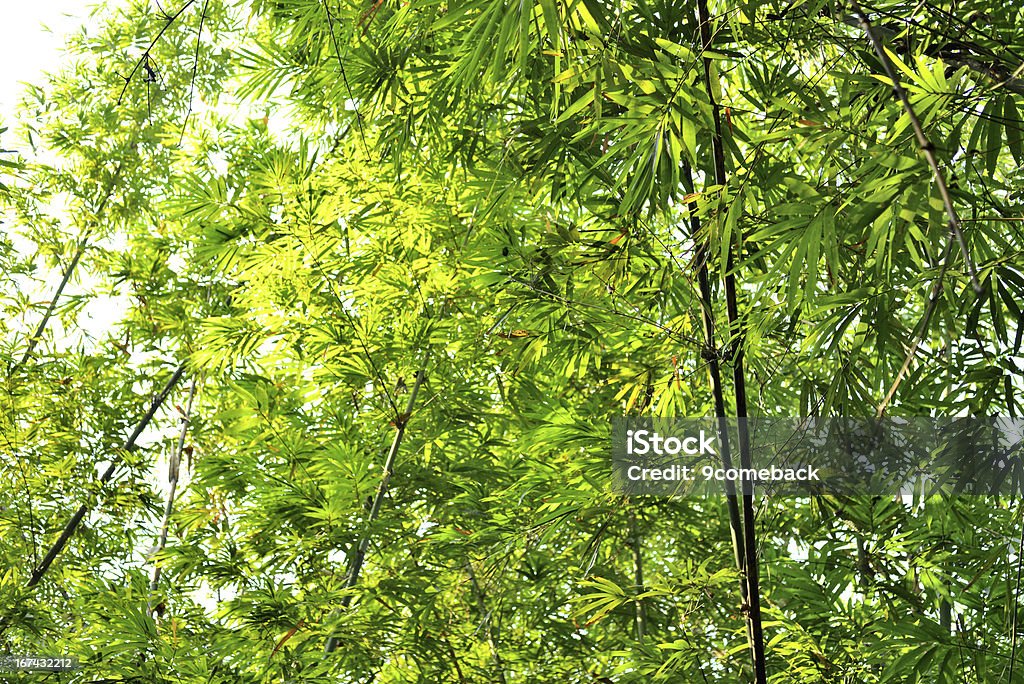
442 245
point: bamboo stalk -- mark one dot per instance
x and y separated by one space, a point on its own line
129 445
69 529
356 563
717 391
753 598
636 546
923 143
172 477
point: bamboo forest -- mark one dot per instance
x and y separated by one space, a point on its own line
324 323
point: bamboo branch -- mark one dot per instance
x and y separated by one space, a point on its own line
69 529
554 296
455 659
940 181
636 546
753 598
83 242
195 69
172 476
356 562
933 300
956 50
145 55
481 606
923 143
37 335
129 445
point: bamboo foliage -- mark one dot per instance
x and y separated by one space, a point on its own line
577 210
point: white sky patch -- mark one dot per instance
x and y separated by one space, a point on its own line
32 39
32 36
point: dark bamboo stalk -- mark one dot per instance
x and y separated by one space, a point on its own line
736 345
715 374
129 445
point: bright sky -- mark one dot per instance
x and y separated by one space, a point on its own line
27 48
31 42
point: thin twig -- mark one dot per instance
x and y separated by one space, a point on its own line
344 77
195 69
145 55
163 12
455 659
923 143
28 496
